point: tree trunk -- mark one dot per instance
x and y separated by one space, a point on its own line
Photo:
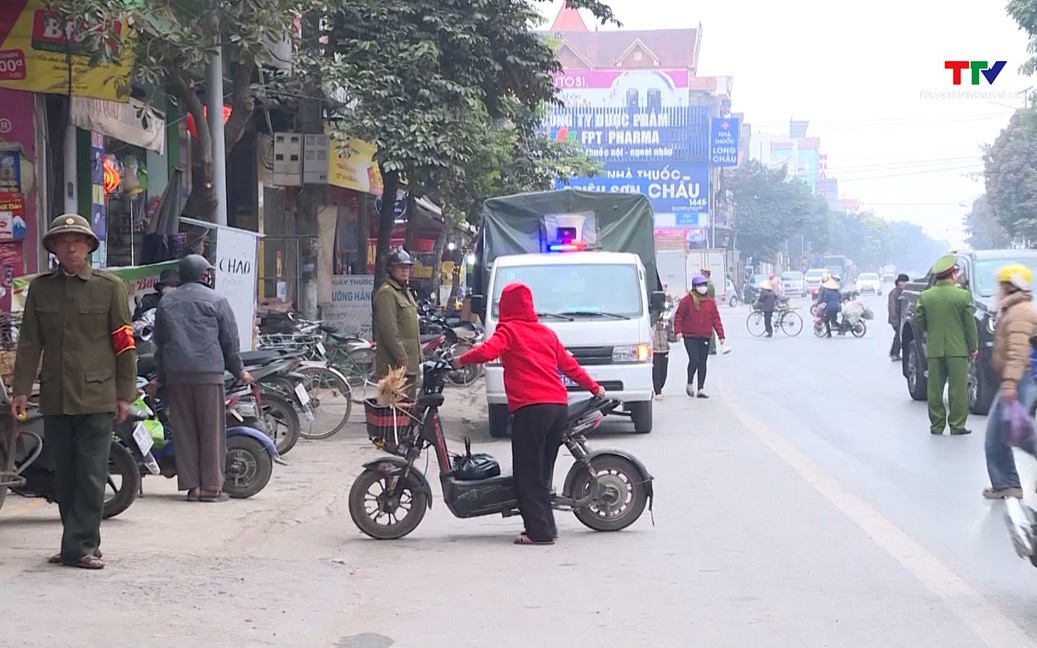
412 222
386 220
455 287
437 262
201 204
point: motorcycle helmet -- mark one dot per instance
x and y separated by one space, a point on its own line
194 268
399 256
1016 275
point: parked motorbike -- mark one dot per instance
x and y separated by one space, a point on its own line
250 453
607 490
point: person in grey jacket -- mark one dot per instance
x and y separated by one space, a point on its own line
197 339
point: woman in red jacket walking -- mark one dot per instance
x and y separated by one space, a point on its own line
695 320
533 360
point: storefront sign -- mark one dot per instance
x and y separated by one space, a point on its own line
12 216
633 135
236 268
672 188
133 122
354 168
616 88
350 307
723 142
18 182
670 239
36 48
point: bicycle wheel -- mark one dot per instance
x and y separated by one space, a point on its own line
791 323
754 323
331 400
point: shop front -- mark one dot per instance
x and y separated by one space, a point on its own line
20 196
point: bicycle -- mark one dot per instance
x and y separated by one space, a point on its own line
785 319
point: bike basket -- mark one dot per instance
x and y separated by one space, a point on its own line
388 427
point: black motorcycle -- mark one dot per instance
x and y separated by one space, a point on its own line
607 490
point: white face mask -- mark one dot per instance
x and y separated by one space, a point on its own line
702 290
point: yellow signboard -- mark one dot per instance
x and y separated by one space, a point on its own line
356 168
37 48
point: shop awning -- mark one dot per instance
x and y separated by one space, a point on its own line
133 122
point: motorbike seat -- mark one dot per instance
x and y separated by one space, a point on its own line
146 365
258 358
339 336
582 408
424 339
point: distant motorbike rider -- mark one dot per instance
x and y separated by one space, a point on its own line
768 301
168 280
1016 324
830 297
894 315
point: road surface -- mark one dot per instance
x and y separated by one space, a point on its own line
805 504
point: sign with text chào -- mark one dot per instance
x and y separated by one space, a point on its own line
723 142
236 252
350 308
638 134
672 188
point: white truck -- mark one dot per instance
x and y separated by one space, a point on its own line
589 260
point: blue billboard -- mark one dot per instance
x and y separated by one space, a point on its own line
620 134
723 141
671 187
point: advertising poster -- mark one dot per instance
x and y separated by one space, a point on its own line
17 185
354 167
350 307
615 88
723 141
12 216
139 280
672 188
36 49
236 279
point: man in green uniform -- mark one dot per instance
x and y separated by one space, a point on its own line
396 323
945 312
79 319
711 292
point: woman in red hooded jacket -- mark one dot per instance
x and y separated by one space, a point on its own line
695 320
533 359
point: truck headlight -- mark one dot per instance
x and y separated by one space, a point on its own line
632 353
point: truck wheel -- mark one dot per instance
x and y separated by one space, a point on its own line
981 397
917 383
641 413
500 421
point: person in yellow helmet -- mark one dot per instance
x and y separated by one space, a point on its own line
1015 323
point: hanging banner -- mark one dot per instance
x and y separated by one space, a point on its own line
236 278
723 142
36 49
355 167
139 280
133 122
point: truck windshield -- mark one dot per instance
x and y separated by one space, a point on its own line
986 273
578 290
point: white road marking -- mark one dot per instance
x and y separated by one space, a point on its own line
984 618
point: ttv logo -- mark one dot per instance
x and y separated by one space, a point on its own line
989 71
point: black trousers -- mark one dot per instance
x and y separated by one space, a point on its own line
536 435
831 319
768 317
660 367
894 351
79 447
698 354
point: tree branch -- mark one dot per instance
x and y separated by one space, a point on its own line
242 105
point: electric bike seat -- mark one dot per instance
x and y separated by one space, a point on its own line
424 339
146 365
259 358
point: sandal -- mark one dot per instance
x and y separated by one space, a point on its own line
192 498
524 539
56 558
219 497
85 562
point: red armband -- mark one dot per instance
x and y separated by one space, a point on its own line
122 340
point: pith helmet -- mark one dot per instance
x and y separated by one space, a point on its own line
944 265
70 224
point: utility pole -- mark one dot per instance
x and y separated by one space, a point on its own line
310 120
214 71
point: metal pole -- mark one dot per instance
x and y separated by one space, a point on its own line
219 152
71 171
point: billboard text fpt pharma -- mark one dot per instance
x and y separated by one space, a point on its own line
988 71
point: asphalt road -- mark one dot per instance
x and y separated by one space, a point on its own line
805 504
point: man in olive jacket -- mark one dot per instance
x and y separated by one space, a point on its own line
894 315
79 319
946 314
396 323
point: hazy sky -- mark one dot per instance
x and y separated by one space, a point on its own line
856 73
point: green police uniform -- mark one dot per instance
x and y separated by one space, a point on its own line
946 314
397 333
81 325
711 292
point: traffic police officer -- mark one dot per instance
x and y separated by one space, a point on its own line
946 314
396 322
79 319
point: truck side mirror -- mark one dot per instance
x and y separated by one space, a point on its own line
478 304
657 302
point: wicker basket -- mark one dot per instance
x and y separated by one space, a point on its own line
7 368
390 427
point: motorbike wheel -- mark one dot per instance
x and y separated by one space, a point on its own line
624 498
819 329
280 422
367 509
121 464
859 329
331 399
248 468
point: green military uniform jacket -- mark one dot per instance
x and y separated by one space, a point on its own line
396 329
711 290
946 314
81 325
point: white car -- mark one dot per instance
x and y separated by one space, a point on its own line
794 282
869 283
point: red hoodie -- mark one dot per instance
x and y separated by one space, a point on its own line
530 352
697 321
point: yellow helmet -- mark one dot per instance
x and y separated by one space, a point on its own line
1017 275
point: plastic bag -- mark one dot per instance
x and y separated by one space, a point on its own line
1017 427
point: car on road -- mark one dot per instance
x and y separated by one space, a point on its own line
978 269
794 282
869 283
812 278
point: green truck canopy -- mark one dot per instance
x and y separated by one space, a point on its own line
623 222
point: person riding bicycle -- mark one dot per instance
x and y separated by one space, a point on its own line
533 360
768 301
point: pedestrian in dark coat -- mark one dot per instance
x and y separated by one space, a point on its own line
894 315
768 301
396 327
832 300
660 355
